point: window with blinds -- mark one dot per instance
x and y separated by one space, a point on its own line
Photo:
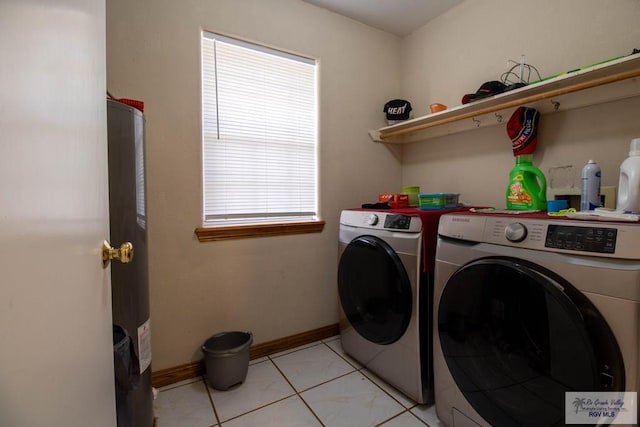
259 134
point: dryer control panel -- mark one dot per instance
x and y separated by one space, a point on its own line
377 220
397 222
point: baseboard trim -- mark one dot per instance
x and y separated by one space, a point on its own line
196 369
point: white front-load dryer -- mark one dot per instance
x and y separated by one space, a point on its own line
529 310
385 305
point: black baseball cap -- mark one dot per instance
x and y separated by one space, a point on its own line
487 89
397 109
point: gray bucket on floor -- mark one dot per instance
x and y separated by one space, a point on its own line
226 358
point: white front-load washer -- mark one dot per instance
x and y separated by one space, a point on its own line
529 310
385 299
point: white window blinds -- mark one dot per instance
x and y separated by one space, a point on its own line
259 134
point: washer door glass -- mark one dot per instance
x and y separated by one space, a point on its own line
516 337
374 290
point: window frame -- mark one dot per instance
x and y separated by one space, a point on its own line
211 234
219 230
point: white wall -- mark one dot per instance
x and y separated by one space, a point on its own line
469 45
280 286
274 287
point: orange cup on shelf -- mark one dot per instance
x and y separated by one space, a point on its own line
436 107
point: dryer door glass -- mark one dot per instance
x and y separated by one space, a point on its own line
374 290
516 337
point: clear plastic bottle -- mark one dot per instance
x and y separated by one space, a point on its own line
629 183
590 194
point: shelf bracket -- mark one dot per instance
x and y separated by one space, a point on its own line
375 136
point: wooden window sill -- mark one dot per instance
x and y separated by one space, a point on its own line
211 234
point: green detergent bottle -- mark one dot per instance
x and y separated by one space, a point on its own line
527 188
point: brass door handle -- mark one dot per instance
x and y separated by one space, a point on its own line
124 253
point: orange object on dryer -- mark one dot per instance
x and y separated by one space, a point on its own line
395 200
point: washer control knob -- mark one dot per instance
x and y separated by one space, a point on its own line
515 232
373 219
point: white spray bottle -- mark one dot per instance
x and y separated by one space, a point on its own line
629 183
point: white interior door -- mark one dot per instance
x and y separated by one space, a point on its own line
56 362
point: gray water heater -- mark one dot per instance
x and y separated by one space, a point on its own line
129 281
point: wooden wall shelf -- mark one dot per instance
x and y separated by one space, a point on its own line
607 82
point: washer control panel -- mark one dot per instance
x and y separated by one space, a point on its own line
594 238
589 239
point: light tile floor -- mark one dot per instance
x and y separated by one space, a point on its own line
312 385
